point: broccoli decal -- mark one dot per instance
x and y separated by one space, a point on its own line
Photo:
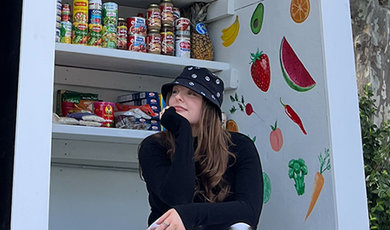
297 171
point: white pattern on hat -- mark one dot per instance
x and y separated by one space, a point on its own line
191 83
190 68
203 93
207 78
212 96
217 81
218 94
177 82
197 67
194 75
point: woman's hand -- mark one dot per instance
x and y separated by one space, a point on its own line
170 221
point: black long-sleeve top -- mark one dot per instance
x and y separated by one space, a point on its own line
171 182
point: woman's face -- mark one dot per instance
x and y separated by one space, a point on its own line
187 103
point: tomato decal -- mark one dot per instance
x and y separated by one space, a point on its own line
276 138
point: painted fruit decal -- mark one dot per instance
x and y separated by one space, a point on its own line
260 70
230 33
247 107
294 72
293 116
276 138
267 188
257 19
299 10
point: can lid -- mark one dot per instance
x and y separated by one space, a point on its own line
154 5
121 19
167 25
166 1
154 31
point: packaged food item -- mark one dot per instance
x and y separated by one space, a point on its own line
166 7
167 40
122 34
183 27
68 99
154 17
58 34
79 33
110 20
176 13
66 32
137 43
106 111
80 11
183 46
95 35
65 13
95 12
153 41
137 25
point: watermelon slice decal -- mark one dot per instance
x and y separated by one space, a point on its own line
294 72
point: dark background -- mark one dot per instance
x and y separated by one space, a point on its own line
11 12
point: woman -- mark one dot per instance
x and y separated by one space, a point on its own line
198 175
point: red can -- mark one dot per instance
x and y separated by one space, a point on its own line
106 111
137 25
137 43
176 13
153 41
183 27
65 12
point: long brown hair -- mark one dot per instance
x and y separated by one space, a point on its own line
211 155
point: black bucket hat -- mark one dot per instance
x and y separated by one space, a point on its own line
200 80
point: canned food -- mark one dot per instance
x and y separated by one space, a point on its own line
109 37
65 13
167 40
154 17
58 35
110 14
166 8
137 43
79 33
122 34
183 47
106 111
183 27
80 11
95 35
153 41
95 16
95 5
137 25
176 13
66 32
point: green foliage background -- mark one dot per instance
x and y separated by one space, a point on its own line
376 152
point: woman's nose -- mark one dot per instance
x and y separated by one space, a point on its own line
178 96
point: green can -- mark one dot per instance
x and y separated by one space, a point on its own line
66 32
110 14
80 33
95 35
109 37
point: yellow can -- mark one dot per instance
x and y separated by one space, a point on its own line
80 11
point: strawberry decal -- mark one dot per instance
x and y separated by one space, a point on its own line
260 70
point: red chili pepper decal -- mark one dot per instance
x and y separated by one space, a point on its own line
293 116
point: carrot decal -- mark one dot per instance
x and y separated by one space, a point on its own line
319 180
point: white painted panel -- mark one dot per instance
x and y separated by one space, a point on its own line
30 192
86 198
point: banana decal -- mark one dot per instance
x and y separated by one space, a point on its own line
230 33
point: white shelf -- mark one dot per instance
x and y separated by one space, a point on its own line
145 3
99 134
128 61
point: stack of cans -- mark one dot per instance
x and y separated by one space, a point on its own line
66 25
183 42
95 23
80 22
110 20
58 21
136 38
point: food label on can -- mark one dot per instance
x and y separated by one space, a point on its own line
80 11
182 24
176 13
110 13
95 16
79 33
137 43
167 43
66 32
95 35
183 47
95 4
106 111
154 19
122 37
109 37
167 15
154 44
137 26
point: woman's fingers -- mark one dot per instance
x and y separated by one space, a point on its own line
163 110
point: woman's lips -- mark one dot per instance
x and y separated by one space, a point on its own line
179 108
